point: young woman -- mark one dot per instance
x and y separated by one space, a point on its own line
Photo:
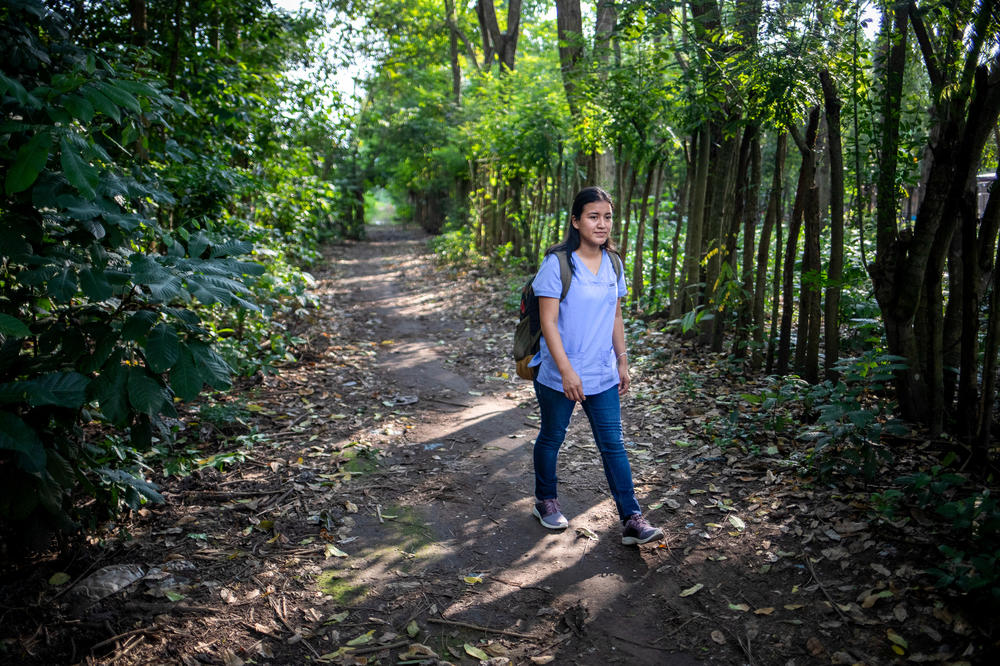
583 359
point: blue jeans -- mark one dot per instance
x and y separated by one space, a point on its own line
604 412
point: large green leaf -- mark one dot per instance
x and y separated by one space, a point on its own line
13 327
144 393
119 96
83 175
141 486
138 324
63 285
232 247
30 161
185 379
95 285
79 107
111 390
162 347
212 368
102 103
62 389
15 435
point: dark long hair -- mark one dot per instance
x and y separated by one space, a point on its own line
572 241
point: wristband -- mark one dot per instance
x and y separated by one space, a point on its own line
622 354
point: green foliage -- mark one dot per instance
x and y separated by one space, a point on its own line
852 417
129 220
969 517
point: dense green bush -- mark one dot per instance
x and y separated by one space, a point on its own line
130 279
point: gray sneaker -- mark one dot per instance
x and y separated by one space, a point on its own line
637 530
550 515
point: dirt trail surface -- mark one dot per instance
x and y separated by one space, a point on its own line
383 516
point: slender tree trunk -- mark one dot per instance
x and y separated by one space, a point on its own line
687 298
679 214
654 268
771 220
775 291
835 267
456 71
809 290
626 208
638 293
991 347
730 236
807 176
751 214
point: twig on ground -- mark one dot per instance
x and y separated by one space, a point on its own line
746 649
108 641
476 627
523 587
648 646
378 648
281 617
833 603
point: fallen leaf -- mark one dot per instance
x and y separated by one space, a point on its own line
793 607
418 651
337 617
814 646
473 651
764 611
691 590
737 522
333 551
900 612
362 639
584 532
173 596
473 579
412 629
718 636
896 638
58 579
739 607
351 507
543 659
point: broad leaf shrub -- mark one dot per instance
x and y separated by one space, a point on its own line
100 301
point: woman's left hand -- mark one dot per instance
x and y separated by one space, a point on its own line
624 380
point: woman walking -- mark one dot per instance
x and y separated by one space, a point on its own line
583 359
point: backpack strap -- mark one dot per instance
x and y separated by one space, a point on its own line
616 262
565 273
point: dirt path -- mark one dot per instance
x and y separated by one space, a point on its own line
464 454
371 504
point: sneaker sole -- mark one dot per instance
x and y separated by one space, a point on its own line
635 541
535 513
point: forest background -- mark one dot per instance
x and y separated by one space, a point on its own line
802 187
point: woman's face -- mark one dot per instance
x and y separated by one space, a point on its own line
594 223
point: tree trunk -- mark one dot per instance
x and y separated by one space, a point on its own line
569 28
138 22
625 208
497 43
771 219
807 176
835 267
640 234
456 71
729 237
689 295
809 291
751 214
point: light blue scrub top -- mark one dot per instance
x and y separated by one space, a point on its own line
586 323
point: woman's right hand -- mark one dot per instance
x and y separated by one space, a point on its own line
572 386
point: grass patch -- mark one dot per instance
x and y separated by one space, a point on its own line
340 587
